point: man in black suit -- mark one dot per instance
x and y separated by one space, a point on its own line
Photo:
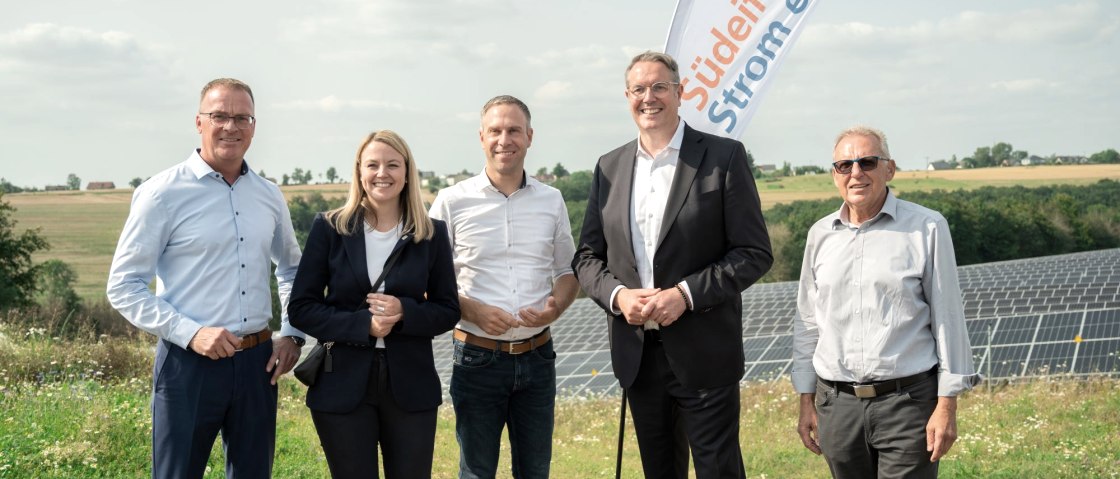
673 234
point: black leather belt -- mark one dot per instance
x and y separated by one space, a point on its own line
878 388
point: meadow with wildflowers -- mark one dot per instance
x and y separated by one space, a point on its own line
80 408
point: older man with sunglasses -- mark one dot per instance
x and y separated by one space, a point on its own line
880 346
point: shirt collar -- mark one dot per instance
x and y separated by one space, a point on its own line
674 142
200 168
484 181
890 208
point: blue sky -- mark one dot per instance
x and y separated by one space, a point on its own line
108 90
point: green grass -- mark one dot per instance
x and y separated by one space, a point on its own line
74 409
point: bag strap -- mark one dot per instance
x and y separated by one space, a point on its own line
392 260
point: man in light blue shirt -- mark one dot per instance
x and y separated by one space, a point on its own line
880 346
207 230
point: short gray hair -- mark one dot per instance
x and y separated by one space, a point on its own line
863 130
231 83
662 58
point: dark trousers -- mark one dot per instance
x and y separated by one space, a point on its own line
882 437
195 397
350 440
493 390
670 419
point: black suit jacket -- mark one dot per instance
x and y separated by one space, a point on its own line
712 236
329 302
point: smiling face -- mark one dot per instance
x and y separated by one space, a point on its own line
864 192
384 174
651 112
506 136
224 147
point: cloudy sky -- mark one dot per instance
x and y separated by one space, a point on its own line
108 90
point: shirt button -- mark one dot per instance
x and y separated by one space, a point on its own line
243 239
244 319
242 266
242 293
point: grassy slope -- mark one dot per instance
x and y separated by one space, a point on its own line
1044 429
83 227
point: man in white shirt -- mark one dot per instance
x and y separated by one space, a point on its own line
208 230
880 346
512 249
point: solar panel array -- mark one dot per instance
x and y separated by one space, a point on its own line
1043 316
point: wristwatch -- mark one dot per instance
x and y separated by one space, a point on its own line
298 340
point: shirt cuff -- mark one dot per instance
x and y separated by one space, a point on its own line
952 385
286 329
804 382
184 332
615 311
688 292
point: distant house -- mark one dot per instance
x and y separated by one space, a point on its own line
57 188
1010 162
767 168
546 178
1033 160
101 185
452 179
940 165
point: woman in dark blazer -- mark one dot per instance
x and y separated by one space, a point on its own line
379 386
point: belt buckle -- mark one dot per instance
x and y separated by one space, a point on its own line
515 353
864 391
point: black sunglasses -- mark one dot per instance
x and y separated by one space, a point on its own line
866 163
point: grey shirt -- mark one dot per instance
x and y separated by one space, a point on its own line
881 301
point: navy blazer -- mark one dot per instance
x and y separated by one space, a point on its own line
712 236
329 302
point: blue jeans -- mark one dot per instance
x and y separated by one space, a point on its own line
490 390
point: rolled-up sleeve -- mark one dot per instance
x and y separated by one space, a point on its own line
943 294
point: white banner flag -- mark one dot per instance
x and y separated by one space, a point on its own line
728 52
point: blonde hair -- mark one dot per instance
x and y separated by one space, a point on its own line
414 216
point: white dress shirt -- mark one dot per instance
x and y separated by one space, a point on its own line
508 250
653 177
210 246
881 301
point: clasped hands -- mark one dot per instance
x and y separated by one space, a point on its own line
496 321
662 306
384 311
216 343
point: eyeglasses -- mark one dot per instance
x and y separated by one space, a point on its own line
220 120
660 88
867 163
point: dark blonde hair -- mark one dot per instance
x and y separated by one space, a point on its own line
414 216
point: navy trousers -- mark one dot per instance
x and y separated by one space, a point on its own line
195 397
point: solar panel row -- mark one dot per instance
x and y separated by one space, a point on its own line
1040 316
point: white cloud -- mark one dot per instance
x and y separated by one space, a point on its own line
553 91
334 104
1024 85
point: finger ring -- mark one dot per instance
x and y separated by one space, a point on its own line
381 309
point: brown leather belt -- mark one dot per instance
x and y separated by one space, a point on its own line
511 347
879 388
255 339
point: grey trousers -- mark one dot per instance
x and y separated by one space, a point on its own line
883 437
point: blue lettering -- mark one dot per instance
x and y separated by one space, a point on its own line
797 6
716 119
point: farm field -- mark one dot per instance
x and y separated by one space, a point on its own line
83 226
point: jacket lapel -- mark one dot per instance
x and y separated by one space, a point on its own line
623 209
691 155
355 245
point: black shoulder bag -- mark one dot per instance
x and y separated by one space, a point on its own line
319 359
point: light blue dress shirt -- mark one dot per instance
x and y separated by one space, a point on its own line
881 300
210 246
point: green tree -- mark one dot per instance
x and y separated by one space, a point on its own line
332 174
750 164
17 273
297 177
542 171
808 170
135 182
285 179
1105 156
8 187
574 187
1001 152
73 182
56 285
559 171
